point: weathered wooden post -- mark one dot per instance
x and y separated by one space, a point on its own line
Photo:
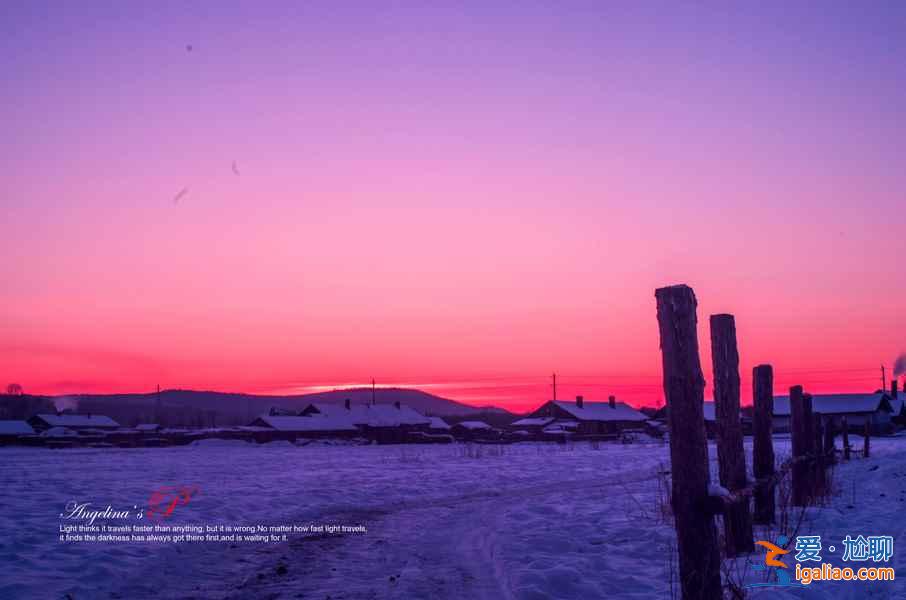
867 451
800 430
696 534
818 463
763 442
810 440
830 436
845 427
731 455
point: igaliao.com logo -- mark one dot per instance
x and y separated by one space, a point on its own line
877 548
771 561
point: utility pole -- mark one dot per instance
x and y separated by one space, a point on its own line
883 379
372 392
555 386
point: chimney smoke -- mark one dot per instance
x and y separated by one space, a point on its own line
899 365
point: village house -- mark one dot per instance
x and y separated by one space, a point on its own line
11 431
271 427
386 423
897 405
710 417
587 418
438 425
72 421
531 425
875 409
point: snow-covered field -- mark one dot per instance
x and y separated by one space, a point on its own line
522 521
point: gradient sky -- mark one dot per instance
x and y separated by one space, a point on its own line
462 198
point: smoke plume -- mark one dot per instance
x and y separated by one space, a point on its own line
66 403
899 365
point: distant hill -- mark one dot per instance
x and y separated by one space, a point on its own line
203 408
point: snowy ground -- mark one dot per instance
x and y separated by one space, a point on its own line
523 521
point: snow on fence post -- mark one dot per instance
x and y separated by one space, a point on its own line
731 455
818 464
867 451
684 385
800 430
845 427
763 443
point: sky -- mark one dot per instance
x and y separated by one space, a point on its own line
463 198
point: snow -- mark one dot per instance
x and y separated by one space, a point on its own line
602 411
718 491
372 415
562 427
523 521
15 428
73 420
310 423
438 423
532 422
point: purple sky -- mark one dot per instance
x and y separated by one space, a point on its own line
431 194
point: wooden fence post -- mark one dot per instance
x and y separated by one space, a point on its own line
763 442
845 427
830 436
818 464
867 451
731 455
800 430
696 534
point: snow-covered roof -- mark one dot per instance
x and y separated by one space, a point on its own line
374 415
147 426
15 428
836 404
602 411
73 420
438 423
532 422
474 425
896 405
309 423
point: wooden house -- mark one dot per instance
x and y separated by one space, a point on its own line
11 431
589 418
274 427
72 421
438 425
875 409
386 423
